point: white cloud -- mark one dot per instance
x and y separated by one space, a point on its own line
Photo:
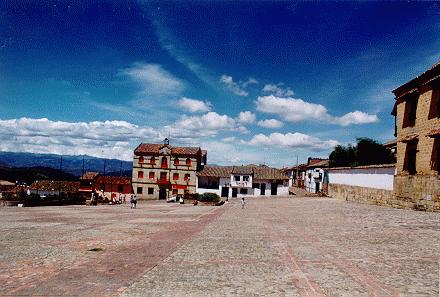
270 124
194 105
356 117
278 90
110 139
154 80
290 109
298 110
246 117
292 140
209 124
238 88
229 139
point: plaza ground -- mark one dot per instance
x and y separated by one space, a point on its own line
273 247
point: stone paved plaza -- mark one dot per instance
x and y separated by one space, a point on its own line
273 247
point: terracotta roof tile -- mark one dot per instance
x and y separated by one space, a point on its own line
259 172
116 180
216 171
56 185
152 148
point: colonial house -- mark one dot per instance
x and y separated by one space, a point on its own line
241 181
417 128
297 175
162 170
6 187
107 186
315 174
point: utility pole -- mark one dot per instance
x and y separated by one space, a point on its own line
61 174
83 166
297 170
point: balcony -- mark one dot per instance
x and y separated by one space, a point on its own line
164 165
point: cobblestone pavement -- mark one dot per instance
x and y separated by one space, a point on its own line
303 247
48 251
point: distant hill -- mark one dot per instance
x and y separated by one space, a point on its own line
71 164
31 174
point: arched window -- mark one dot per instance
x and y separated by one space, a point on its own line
141 159
153 161
176 161
164 162
188 161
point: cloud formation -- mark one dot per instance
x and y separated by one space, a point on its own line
270 124
238 88
154 80
194 105
246 117
298 110
278 90
197 126
111 139
293 140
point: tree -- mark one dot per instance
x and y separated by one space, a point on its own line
366 152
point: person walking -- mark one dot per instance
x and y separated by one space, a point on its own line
134 200
242 202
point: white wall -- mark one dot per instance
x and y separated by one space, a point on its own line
378 178
310 183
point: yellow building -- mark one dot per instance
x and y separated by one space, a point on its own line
162 170
417 112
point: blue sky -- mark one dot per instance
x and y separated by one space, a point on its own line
252 82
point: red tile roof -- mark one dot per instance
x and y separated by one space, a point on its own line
116 180
258 171
152 148
55 185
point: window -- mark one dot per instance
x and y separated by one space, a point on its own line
246 178
175 176
434 109
435 156
174 191
140 174
120 188
186 177
188 162
236 177
163 176
255 186
150 191
409 164
164 163
176 161
141 160
139 190
243 191
409 118
153 161
151 175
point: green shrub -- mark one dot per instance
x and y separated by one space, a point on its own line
209 197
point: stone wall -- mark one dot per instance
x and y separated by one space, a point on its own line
382 197
418 191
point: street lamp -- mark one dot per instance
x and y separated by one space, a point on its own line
37 186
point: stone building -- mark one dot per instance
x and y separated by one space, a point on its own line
417 124
162 170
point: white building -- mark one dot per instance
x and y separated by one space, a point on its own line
315 176
242 181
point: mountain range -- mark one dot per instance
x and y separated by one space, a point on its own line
67 163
